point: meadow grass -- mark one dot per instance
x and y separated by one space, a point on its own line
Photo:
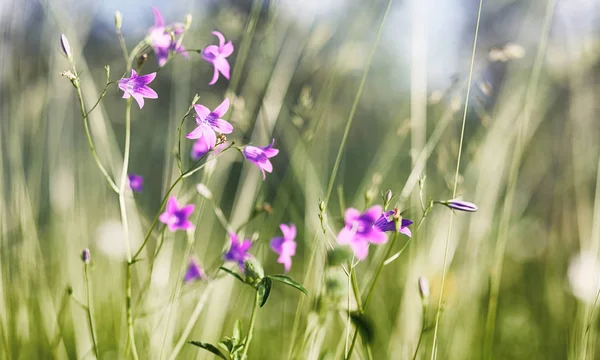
352 118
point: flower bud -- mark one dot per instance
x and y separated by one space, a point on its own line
321 205
460 205
86 256
141 60
387 197
423 288
118 20
64 44
254 271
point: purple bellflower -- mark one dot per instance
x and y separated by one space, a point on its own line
359 231
136 86
136 182
238 251
285 246
162 38
209 122
194 271
217 56
460 205
386 223
260 156
175 217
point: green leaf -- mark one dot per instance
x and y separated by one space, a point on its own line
364 326
232 273
209 347
339 255
288 281
264 289
237 331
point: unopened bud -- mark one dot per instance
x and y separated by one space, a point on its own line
423 288
387 197
86 256
64 44
321 205
188 21
254 271
69 75
118 20
141 60
460 205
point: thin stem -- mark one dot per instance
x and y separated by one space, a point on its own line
245 45
460 147
355 289
251 327
123 46
86 127
88 311
100 98
423 325
125 222
363 80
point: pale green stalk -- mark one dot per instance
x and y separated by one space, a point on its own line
251 327
88 296
460 147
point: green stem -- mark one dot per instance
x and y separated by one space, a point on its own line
86 127
460 147
89 310
422 330
125 222
251 327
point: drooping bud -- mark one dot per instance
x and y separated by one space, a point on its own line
460 205
141 60
86 256
118 20
424 289
64 44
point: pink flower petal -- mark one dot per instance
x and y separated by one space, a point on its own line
222 108
226 49
158 19
221 38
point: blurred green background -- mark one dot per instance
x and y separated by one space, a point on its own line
530 161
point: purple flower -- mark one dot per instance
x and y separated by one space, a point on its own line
162 38
386 223
460 205
359 231
217 56
260 156
175 217
209 122
285 246
136 182
194 271
86 256
136 86
238 251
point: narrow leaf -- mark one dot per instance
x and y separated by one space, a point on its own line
209 347
264 289
237 330
288 281
231 273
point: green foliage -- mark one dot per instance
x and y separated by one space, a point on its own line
264 289
289 281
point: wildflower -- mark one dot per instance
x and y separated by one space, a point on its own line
136 182
162 38
460 205
260 156
359 231
194 271
175 217
64 44
217 56
285 246
209 122
386 223
86 256
136 86
238 250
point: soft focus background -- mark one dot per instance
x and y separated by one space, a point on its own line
530 161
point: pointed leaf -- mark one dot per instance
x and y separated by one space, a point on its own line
264 289
209 347
289 281
364 326
230 272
